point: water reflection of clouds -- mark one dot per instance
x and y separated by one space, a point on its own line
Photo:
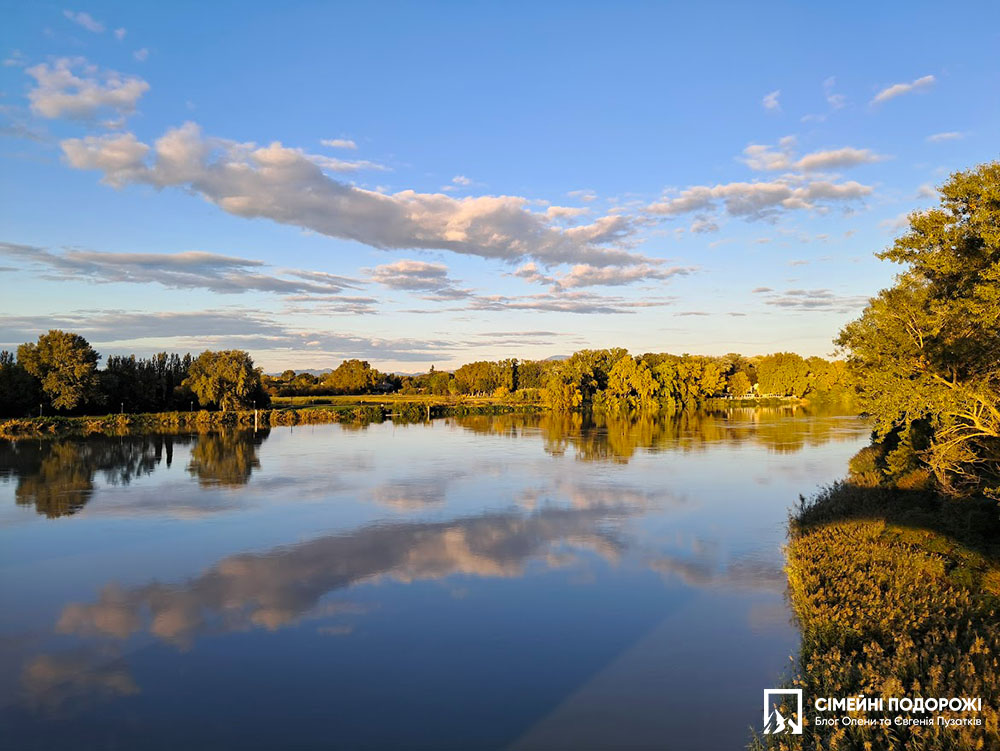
584 495
416 493
281 586
743 573
181 500
51 681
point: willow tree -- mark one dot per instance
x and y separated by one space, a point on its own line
927 351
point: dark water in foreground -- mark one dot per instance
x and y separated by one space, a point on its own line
509 582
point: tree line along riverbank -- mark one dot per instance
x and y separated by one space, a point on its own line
59 375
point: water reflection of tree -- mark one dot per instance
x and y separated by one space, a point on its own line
600 437
57 477
227 459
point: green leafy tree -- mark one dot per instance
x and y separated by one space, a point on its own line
784 374
631 386
66 366
482 377
438 383
738 384
928 349
352 377
562 391
226 378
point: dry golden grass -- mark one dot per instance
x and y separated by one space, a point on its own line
897 594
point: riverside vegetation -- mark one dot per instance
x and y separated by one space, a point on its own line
58 376
894 574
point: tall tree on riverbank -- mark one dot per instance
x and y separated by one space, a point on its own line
227 379
66 366
927 350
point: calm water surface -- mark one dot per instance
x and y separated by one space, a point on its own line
479 583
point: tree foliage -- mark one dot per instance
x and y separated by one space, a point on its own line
927 350
352 377
631 386
146 384
66 366
738 384
226 379
19 390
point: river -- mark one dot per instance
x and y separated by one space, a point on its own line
524 582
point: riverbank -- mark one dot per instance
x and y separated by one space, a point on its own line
897 594
314 410
159 422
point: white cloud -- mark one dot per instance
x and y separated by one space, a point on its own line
15 59
185 270
757 200
530 272
288 186
898 89
339 143
85 20
419 276
584 275
896 223
120 34
565 212
837 159
770 101
586 303
215 329
951 135
703 225
61 92
461 180
767 158
823 300
836 101
141 55
120 156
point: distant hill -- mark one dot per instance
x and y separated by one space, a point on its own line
314 372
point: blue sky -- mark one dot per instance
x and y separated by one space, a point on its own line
442 182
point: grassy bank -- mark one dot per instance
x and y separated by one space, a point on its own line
897 593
